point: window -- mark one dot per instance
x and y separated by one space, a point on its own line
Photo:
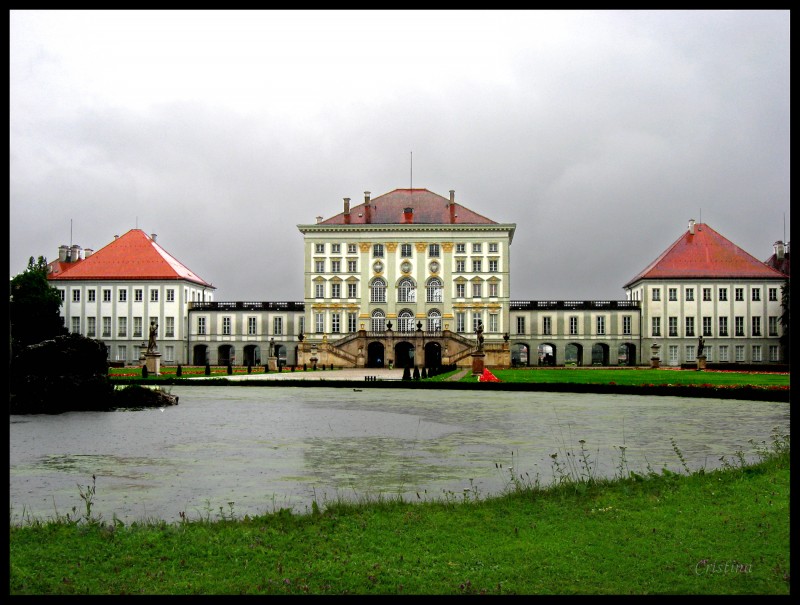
336 266
757 353
377 250
672 326
319 322
493 248
476 248
626 325
76 325
106 327
336 325
655 326
460 290
378 291
723 295
434 291
122 353
673 354
201 326
723 352
547 326
520 325
773 294
689 326
689 293
91 327
319 266
738 325
492 266
319 290
405 321
656 294
690 356
122 327
169 327
460 318
226 326
351 322
352 290
601 324
378 321
433 250
672 293
573 326
773 352
61 294
739 293
476 290
772 323
106 295
76 296
706 293
352 266
91 295
169 354
461 266
494 322
170 295
319 248
137 327
477 317
153 295
476 266
405 250
252 325
336 290
706 326
756 325
336 248
123 296
138 295
755 296
493 289
277 326
707 352
723 326
461 248
739 351
302 324
351 248
406 292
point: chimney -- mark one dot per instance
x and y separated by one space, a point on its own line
63 253
367 208
779 250
691 226
347 211
319 220
116 237
87 252
76 253
408 215
153 237
452 205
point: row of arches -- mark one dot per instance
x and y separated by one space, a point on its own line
405 321
226 355
403 355
407 290
547 354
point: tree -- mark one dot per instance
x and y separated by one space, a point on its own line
786 338
34 307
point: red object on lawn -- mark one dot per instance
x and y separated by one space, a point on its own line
487 376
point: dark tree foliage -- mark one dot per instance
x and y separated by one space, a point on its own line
786 336
34 307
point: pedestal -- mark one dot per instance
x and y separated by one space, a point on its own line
655 362
701 362
477 363
272 363
152 362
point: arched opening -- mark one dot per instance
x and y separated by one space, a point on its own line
405 321
375 356
433 355
404 355
519 354
225 355
547 354
435 321
626 354
252 355
200 355
600 354
573 354
378 321
406 291
280 353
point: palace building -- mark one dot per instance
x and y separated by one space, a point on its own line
408 278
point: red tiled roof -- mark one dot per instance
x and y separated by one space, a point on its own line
705 254
783 265
133 256
427 209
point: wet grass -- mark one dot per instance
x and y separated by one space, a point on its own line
699 532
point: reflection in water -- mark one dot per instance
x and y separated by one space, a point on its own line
256 450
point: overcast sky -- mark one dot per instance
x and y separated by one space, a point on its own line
599 134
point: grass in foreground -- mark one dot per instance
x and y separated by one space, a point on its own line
720 532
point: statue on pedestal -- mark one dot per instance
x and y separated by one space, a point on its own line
151 343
